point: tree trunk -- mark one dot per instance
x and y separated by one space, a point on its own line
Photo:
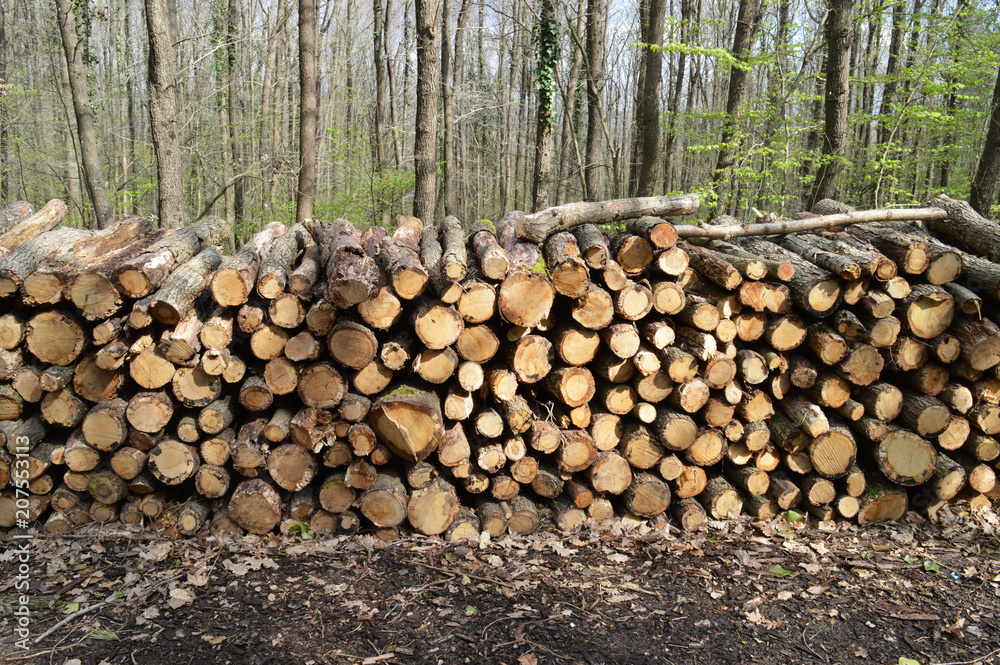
647 109
985 182
838 99
545 77
76 50
687 10
596 148
163 114
308 111
425 142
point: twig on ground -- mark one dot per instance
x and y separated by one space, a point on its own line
74 615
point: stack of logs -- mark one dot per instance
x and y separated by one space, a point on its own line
571 363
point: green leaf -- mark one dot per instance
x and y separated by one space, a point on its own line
469 609
932 567
71 608
103 635
302 530
778 571
449 557
911 558
466 581
907 661
793 516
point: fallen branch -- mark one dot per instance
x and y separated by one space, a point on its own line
538 226
809 224
74 615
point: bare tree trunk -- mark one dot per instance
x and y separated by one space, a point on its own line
647 111
397 145
884 133
687 12
739 88
838 99
456 82
308 111
75 47
984 183
446 202
163 114
596 148
548 57
568 140
425 143
379 54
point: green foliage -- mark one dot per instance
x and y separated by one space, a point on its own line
547 60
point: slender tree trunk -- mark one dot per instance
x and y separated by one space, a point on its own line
308 110
687 12
984 183
397 144
445 204
596 148
163 114
548 56
425 142
233 111
457 72
739 87
648 108
567 141
379 56
837 99
75 47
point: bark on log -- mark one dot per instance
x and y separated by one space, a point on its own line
538 226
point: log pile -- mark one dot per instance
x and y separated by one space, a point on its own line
587 360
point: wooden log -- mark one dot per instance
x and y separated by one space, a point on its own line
321 386
433 508
139 276
965 228
32 226
538 226
904 457
567 268
815 290
172 462
55 337
13 213
194 388
881 502
52 276
255 506
408 421
385 502
712 266
720 499
352 344
179 291
927 311
276 260
351 274
104 426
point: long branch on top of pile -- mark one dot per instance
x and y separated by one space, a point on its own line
810 223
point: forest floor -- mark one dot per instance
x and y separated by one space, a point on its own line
739 592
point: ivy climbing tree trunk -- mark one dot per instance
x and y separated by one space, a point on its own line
5 169
837 103
308 111
163 114
984 184
425 140
739 87
75 48
545 76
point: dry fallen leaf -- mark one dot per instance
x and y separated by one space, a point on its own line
179 597
527 659
755 616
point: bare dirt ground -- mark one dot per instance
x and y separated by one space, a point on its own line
735 592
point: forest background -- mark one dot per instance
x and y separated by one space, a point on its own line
262 110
